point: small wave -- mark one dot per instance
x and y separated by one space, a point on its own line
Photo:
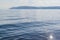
27 36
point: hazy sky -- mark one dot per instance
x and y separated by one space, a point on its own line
11 3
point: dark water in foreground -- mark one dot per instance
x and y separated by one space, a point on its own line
13 26
30 31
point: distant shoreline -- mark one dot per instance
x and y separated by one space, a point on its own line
33 7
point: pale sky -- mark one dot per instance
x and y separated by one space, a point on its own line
5 4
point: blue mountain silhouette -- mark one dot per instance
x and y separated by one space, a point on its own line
33 7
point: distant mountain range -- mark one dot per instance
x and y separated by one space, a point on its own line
33 7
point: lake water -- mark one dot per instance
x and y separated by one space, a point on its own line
30 24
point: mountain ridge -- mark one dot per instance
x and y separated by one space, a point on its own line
34 7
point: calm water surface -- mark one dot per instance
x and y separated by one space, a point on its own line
29 24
